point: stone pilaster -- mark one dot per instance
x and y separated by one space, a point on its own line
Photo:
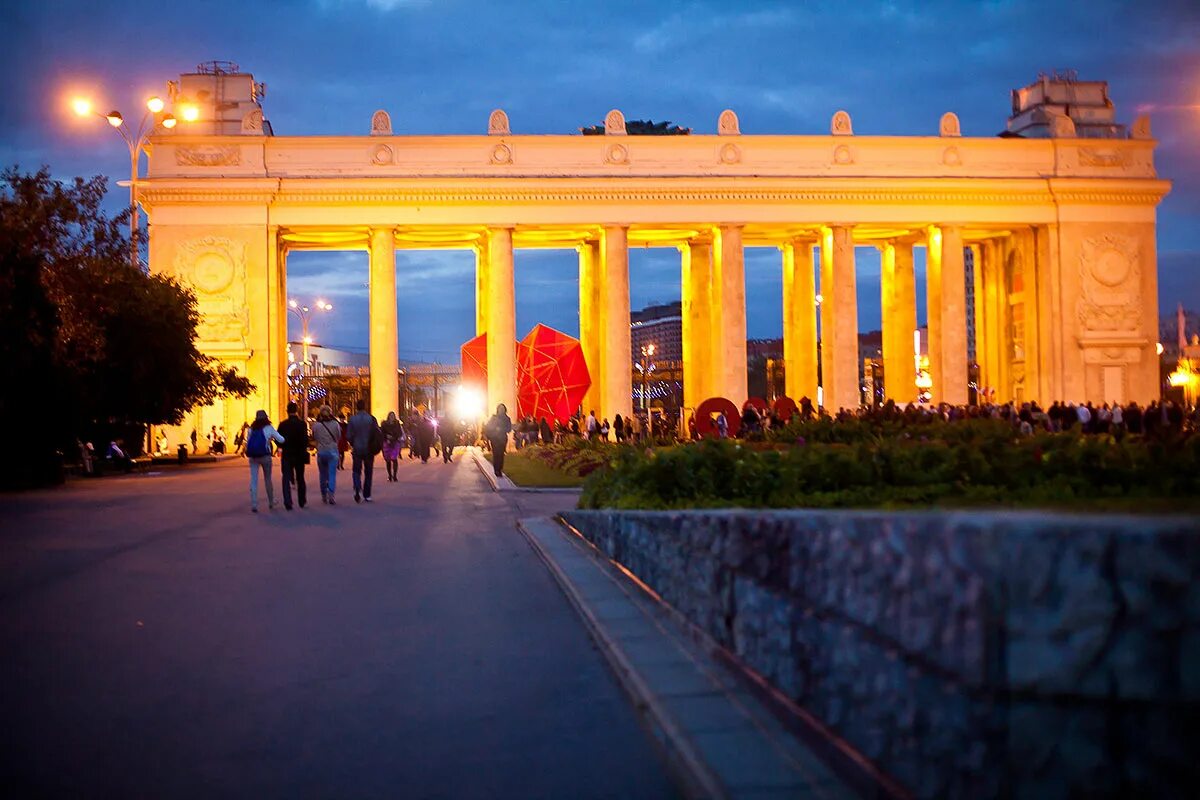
481 285
729 314
954 318
502 322
383 339
799 320
615 357
590 329
933 310
696 258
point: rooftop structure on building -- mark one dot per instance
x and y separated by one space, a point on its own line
1061 105
228 101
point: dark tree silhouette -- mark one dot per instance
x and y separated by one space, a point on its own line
641 127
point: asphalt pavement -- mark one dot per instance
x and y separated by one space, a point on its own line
159 640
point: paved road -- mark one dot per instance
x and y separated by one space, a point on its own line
157 639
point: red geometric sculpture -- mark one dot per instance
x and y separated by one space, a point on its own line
474 363
552 375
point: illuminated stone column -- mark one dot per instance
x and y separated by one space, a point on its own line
975 312
277 319
502 322
799 321
828 334
383 341
697 322
590 331
903 387
847 392
729 314
481 285
954 318
615 357
933 310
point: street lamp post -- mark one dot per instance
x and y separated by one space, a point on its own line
305 314
136 141
647 351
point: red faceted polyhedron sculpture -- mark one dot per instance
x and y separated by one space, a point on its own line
474 363
552 375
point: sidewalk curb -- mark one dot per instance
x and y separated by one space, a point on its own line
505 484
501 484
696 779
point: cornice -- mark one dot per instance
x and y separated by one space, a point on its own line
315 195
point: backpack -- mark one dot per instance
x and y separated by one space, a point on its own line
375 441
256 443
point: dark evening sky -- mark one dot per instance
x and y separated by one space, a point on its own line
439 66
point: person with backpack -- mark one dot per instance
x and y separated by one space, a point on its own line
366 440
258 453
327 433
293 456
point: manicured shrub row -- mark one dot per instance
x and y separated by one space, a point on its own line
890 464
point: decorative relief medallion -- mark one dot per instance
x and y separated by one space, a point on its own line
840 124
727 124
1096 157
843 155
208 156
214 267
383 155
951 157
498 124
617 154
614 123
502 154
948 126
381 123
1110 284
729 154
253 121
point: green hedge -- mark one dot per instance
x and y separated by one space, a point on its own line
893 464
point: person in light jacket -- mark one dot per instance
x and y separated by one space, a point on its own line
327 433
258 453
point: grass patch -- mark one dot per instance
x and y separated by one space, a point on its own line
535 473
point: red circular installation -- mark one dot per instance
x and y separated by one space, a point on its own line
785 408
705 412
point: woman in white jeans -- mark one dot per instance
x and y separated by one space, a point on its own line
327 433
258 453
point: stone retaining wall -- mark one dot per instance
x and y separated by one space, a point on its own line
969 655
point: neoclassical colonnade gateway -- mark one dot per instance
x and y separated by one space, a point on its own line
1062 230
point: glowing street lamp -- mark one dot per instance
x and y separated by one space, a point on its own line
647 352
136 141
305 314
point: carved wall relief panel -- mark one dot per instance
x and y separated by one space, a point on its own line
1110 279
208 156
214 268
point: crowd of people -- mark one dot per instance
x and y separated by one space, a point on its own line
331 437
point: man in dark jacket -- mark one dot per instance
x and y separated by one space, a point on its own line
293 455
496 431
365 440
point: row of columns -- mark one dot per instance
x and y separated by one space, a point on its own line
714 317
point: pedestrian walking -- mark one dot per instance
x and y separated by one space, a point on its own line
293 456
496 431
366 440
258 453
393 439
449 438
327 433
343 442
425 436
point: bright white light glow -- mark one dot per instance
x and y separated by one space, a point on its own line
468 403
155 104
81 106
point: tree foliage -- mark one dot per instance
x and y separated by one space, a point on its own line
641 127
87 340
